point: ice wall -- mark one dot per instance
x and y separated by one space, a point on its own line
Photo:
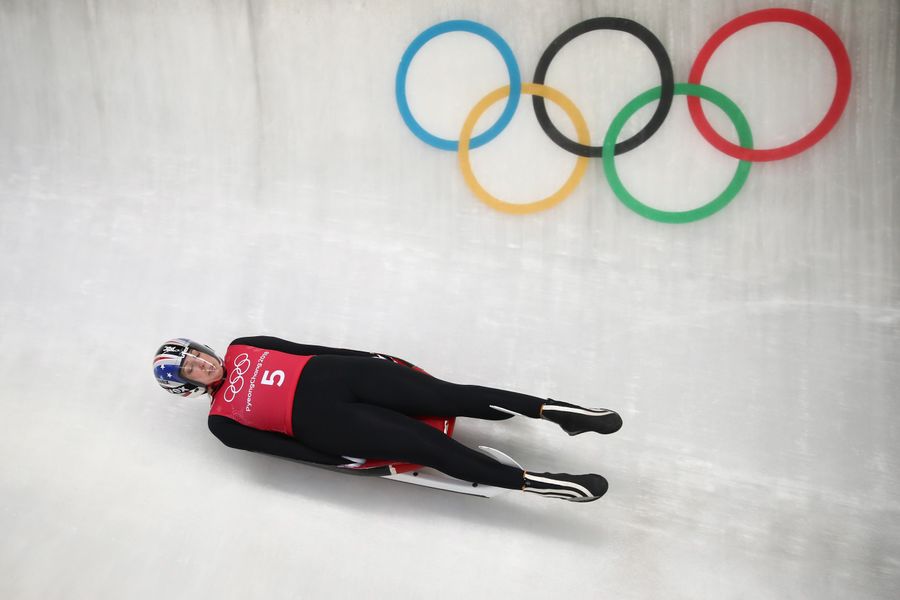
216 169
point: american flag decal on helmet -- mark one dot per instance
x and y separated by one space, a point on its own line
167 368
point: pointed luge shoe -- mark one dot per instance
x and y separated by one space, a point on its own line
575 419
574 488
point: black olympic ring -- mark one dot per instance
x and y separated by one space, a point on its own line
667 78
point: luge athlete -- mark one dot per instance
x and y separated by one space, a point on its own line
322 405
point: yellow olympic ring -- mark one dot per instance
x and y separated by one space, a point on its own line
550 201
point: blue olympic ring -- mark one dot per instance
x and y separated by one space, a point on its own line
515 82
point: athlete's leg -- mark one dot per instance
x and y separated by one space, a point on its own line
329 419
386 384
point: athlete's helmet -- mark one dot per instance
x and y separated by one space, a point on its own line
167 367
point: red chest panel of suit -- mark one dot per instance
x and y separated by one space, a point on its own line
259 388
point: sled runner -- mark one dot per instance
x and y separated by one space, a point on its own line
426 476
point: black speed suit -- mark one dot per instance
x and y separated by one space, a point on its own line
351 404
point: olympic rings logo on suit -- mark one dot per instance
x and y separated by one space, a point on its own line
664 93
236 377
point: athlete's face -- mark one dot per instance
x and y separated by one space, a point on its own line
201 367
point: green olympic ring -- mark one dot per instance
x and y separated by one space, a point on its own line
719 202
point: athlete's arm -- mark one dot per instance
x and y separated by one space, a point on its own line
268 342
234 435
273 343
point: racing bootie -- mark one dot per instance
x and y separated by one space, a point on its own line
574 488
575 419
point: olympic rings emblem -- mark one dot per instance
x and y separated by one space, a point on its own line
236 377
664 93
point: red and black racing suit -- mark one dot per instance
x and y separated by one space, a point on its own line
348 403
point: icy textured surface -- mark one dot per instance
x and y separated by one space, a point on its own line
216 169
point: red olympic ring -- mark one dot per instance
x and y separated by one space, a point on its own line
774 15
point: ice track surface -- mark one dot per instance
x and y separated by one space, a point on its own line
216 169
